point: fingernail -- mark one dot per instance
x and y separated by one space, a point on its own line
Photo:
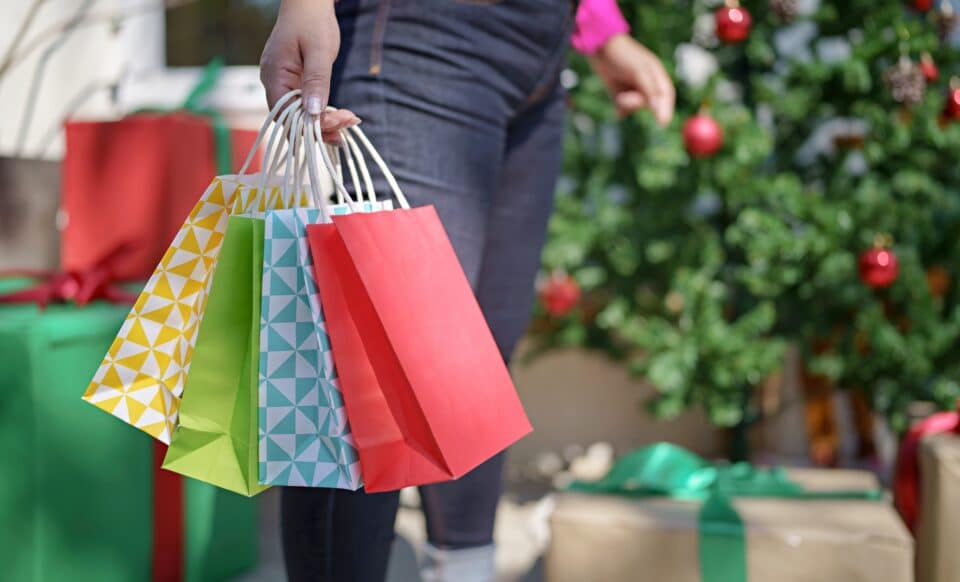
327 122
314 105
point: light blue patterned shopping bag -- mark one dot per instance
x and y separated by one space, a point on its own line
304 436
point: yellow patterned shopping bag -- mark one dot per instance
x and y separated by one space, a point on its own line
141 379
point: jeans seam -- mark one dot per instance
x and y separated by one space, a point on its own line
551 76
379 31
384 137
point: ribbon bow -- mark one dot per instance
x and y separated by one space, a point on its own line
98 281
666 470
81 287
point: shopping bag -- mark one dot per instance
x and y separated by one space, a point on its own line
305 438
133 181
427 393
142 376
215 441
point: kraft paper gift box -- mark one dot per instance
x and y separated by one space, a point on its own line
77 488
938 534
609 538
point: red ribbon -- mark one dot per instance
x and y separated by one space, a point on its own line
906 478
168 522
81 287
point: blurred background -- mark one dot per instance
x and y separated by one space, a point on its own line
771 279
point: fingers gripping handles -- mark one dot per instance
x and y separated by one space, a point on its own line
294 148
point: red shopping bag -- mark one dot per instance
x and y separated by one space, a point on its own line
133 181
427 393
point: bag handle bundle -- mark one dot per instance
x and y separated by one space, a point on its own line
275 114
296 155
314 128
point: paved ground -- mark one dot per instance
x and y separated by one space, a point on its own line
521 536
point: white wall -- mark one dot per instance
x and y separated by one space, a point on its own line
100 53
96 52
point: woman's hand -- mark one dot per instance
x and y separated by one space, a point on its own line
635 78
299 55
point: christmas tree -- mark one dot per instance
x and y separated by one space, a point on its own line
806 193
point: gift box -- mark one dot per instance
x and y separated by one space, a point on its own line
822 534
80 497
134 181
938 535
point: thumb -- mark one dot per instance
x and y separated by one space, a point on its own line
315 81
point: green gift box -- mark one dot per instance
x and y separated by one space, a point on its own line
77 487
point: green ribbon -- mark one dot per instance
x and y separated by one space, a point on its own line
666 470
193 103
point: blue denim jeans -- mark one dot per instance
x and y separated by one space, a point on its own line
463 100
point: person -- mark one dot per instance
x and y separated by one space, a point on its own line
463 99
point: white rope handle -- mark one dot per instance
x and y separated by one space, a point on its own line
351 148
311 150
394 187
281 127
338 151
351 167
278 106
294 145
332 150
277 149
313 130
302 169
285 142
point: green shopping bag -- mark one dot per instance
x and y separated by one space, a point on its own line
216 441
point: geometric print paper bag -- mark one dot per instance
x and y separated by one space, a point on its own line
304 434
140 380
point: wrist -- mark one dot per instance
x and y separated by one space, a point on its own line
307 7
611 44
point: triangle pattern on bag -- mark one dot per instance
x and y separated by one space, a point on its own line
295 352
155 343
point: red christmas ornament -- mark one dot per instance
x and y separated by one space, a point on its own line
733 22
929 68
879 266
560 294
951 109
702 135
922 5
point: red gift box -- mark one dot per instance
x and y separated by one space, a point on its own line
133 181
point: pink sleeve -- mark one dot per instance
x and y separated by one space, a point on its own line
597 21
